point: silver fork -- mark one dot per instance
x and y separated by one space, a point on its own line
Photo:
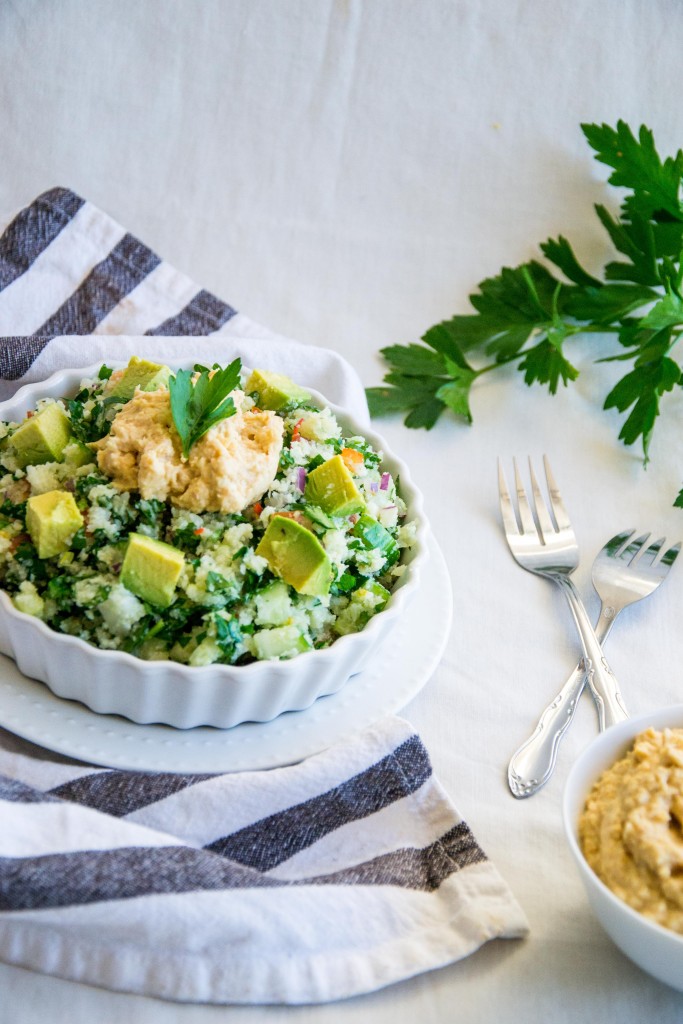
547 547
624 571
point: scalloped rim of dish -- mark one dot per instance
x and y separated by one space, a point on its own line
64 381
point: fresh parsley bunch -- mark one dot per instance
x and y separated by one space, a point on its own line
200 398
528 314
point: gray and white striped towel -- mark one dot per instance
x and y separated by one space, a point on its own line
318 881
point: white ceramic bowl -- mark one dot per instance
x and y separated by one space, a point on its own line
656 949
114 682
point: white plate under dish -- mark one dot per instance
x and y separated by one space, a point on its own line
397 671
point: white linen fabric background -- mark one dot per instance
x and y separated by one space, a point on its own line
345 173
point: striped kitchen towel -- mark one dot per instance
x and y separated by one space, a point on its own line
71 277
312 882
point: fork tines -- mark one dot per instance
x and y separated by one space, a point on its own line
655 555
538 520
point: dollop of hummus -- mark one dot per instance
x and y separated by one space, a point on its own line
631 829
227 469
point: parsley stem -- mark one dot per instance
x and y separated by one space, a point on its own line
571 329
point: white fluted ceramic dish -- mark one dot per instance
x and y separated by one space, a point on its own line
114 682
391 678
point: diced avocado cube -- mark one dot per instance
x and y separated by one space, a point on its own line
42 437
139 373
151 569
275 391
375 537
331 487
296 555
52 519
281 642
273 605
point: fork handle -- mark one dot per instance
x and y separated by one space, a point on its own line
600 678
532 764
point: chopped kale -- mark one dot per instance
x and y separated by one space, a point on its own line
228 636
287 460
79 541
84 484
346 582
26 556
151 511
186 538
13 510
60 589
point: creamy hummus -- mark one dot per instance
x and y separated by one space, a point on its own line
631 830
230 467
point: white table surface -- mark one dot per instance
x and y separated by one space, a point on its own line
345 173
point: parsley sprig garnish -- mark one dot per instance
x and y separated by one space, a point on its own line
528 314
201 398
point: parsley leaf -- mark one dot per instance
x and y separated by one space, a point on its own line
655 184
200 399
653 375
529 314
426 380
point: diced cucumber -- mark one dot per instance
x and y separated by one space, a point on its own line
379 595
374 535
365 602
273 605
281 642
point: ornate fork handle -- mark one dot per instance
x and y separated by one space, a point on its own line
600 678
532 765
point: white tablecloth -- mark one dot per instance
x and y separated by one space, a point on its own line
345 173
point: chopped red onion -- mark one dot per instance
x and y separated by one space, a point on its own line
385 508
374 486
384 485
354 518
301 478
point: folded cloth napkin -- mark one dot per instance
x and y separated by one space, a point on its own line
307 883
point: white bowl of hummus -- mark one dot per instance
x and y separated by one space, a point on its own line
166 571
623 817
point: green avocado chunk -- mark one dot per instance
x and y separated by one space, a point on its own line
151 569
77 454
52 519
139 373
42 437
330 486
296 555
275 391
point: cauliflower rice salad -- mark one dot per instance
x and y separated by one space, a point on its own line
195 516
